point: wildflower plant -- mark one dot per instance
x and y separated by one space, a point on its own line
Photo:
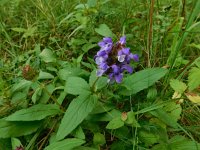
113 59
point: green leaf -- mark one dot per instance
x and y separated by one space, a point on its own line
47 56
36 112
45 75
180 143
18 29
67 144
21 85
99 139
101 82
174 110
78 133
88 46
67 72
131 119
148 138
178 86
29 32
91 3
36 95
165 117
115 123
76 86
194 78
15 129
77 111
102 108
142 80
15 143
85 148
46 93
104 30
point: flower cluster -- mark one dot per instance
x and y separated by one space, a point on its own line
114 58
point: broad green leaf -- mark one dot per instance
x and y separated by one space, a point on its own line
104 30
182 143
102 108
142 80
77 111
115 123
148 138
78 133
65 73
131 119
99 139
107 116
21 85
178 86
62 96
15 143
36 95
165 117
46 93
174 110
47 56
45 75
36 112
194 78
88 46
77 86
67 144
15 129
178 142
118 145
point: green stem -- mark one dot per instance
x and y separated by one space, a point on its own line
52 97
93 85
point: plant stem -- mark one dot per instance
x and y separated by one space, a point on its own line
150 33
94 84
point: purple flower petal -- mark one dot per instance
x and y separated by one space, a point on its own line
101 44
116 69
99 60
104 66
107 40
122 40
101 53
126 51
120 52
107 47
100 72
127 68
136 57
119 77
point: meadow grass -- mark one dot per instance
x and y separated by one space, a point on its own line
165 34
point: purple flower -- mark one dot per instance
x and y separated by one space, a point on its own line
106 44
122 40
114 59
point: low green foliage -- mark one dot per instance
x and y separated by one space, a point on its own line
51 97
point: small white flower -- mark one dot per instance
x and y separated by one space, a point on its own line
121 58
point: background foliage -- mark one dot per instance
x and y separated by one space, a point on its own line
51 99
